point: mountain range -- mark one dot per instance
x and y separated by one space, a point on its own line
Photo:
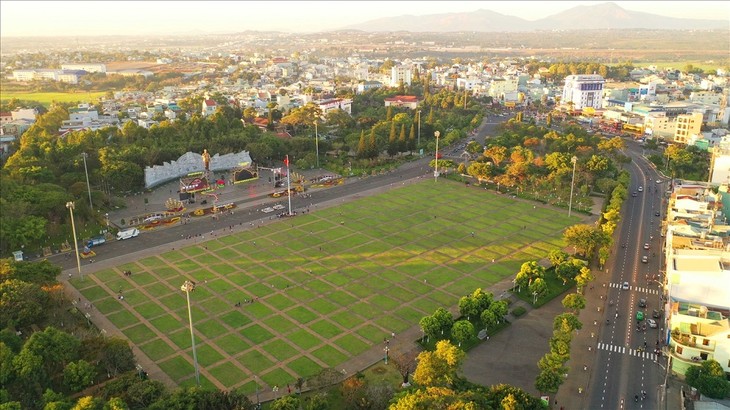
601 17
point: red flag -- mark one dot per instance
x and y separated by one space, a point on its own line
286 161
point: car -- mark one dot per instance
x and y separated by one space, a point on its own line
129 233
656 314
642 303
640 315
645 259
625 286
652 323
641 188
657 213
267 210
633 194
658 181
646 245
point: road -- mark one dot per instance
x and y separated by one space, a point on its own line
621 370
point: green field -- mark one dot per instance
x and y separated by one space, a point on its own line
47 98
328 285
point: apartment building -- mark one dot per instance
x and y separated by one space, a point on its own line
583 91
687 125
88 67
697 282
400 73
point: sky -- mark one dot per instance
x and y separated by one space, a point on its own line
80 18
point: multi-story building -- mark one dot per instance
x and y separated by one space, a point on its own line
697 281
408 101
343 104
687 125
583 91
400 73
499 87
209 107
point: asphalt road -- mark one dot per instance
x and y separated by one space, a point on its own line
621 370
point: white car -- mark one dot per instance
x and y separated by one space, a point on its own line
625 286
641 189
645 259
278 207
652 323
658 181
646 245
267 210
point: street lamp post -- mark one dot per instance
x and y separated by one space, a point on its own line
188 287
71 206
418 144
534 300
316 141
436 162
574 160
386 354
88 187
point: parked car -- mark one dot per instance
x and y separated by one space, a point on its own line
652 323
655 314
129 233
95 241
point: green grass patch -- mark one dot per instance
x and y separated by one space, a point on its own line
329 355
157 350
280 349
207 356
232 344
123 319
256 334
166 323
178 368
304 367
255 361
304 339
47 98
228 373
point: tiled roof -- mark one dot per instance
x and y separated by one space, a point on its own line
210 103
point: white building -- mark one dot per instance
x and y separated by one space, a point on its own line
88 67
583 91
400 74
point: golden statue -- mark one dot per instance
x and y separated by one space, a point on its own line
206 159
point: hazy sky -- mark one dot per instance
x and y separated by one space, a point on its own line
77 18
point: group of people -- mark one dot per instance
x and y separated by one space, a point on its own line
127 273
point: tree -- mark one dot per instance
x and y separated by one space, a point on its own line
709 378
496 153
444 318
584 277
532 270
79 375
538 287
499 308
440 366
567 320
552 362
568 269
557 256
480 170
489 319
285 403
21 303
468 306
429 326
353 391
583 237
574 302
115 403
548 381
405 362
462 331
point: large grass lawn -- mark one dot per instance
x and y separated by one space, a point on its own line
47 98
327 285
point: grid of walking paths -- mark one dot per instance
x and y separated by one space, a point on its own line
326 286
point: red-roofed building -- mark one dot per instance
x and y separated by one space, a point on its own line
209 107
408 101
5 117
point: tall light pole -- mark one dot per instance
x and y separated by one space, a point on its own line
88 187
418 144
572 181
436 163
316 141
71 206
188 287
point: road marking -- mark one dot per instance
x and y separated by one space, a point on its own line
631 352
636 288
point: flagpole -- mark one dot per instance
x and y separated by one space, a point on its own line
288 186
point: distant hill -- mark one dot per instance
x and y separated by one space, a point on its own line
601 16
